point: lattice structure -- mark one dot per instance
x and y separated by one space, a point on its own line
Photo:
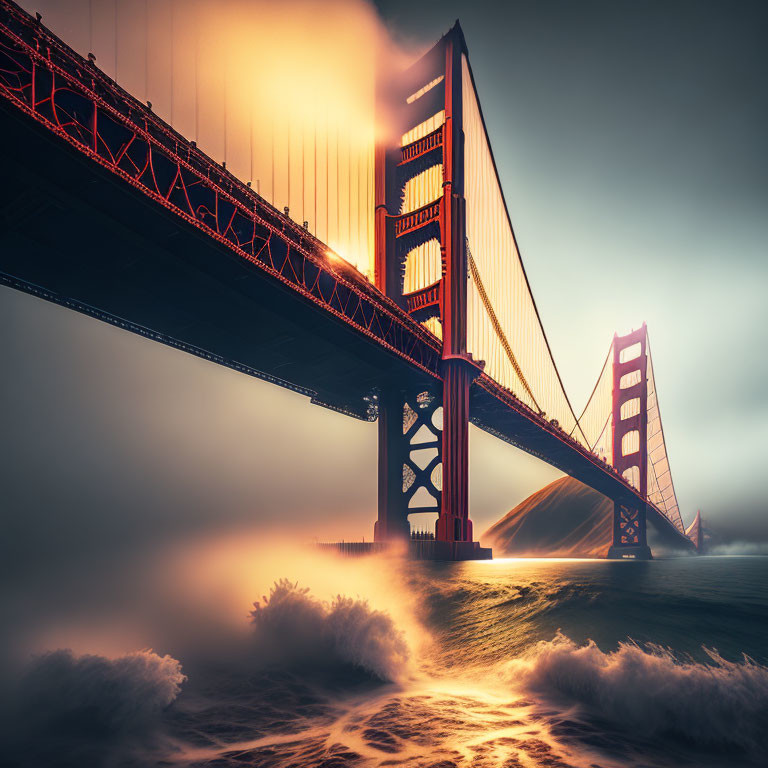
422 465
629 527
410 459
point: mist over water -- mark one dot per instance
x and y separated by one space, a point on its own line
272 655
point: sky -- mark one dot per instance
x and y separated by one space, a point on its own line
629 138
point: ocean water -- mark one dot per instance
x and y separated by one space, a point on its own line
502 664
522 663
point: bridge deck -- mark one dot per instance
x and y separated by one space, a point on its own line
73 233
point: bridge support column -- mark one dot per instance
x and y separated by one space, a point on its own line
392 522
629 534
424 466
454 523
453 530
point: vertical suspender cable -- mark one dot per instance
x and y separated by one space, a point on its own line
116 36
146 51
338 195
114 40
172 50
226 99
288 133
349 201
250 136
197 73
273 200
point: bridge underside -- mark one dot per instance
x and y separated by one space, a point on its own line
94 243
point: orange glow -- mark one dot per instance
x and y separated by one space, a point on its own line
282 92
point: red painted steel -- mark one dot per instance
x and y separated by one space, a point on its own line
629 528
458 370
423 146
454 523
424 298
409 222
449 294
638 422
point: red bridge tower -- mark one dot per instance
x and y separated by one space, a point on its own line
630 442
427 105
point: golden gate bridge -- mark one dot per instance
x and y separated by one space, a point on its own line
113 213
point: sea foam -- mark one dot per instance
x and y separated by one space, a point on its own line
294 628
88 710
651 692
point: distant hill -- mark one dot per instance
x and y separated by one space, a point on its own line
563 519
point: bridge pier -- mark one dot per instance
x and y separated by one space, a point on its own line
629 534
424 466
410 454
392 522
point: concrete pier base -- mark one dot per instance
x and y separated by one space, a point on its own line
642 552
429 549
417 549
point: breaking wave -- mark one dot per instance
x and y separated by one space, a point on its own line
294 628
85 708
722 703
